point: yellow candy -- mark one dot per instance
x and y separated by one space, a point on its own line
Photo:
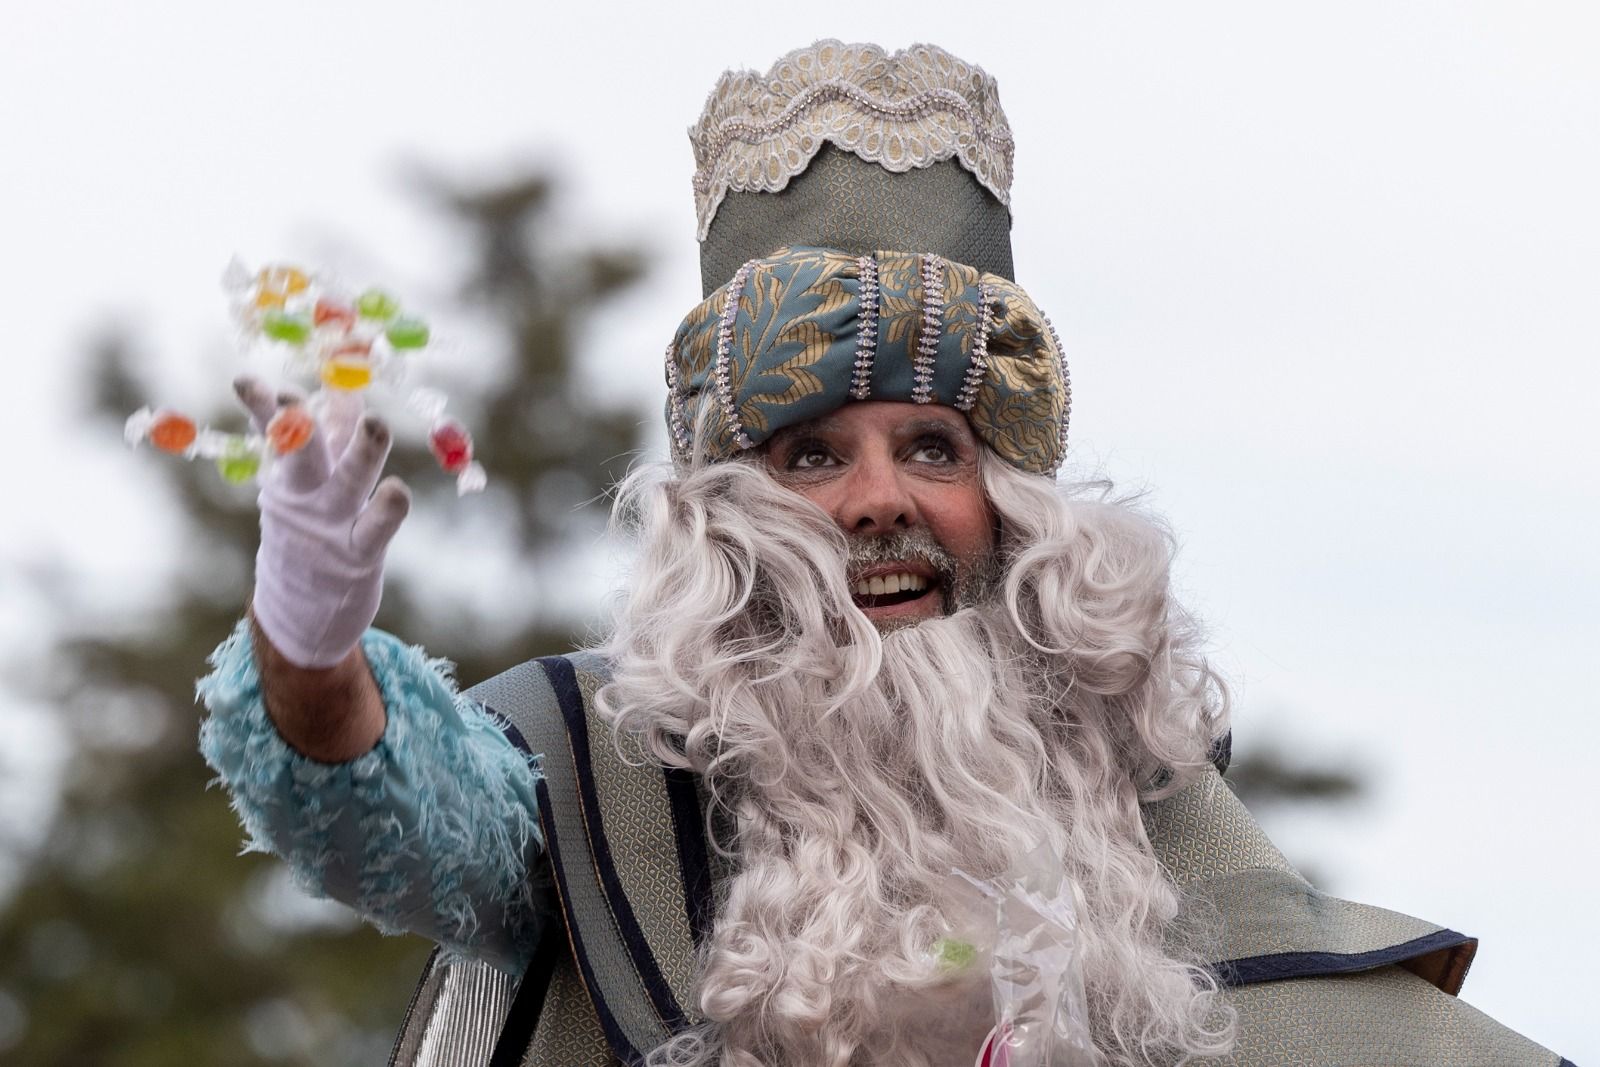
286 280
347 372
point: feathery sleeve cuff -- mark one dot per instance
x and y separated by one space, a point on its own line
435 831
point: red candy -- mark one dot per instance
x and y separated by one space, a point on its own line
451 445
290 429
172 432
328 312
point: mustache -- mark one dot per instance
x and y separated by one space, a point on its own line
903 546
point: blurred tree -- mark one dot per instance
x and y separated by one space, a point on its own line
1267 777
137 937
1268 781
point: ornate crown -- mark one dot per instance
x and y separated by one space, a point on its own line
911 109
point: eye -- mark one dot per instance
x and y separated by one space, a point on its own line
933 449
807 455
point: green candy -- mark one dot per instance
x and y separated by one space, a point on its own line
238 463
407 333
954 955
281 326
377 304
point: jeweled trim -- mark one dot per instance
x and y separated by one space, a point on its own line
1066 390
730 312
866 328
978 362
932 328
680 429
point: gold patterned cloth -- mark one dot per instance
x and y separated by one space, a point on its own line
803 331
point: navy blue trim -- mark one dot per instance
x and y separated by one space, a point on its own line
1280 965
522 1019
614 1036
565 683
1221 754
1566 1063
513 734
688 823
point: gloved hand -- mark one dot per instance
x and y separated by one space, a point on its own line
319 570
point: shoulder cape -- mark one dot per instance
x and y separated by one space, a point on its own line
1315 979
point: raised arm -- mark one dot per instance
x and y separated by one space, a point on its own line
350 754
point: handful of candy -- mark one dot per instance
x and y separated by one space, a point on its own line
347 343
1027 928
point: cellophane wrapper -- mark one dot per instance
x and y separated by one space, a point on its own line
1031 924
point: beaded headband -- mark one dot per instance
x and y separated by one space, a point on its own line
803 331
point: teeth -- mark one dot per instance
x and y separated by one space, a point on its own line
882 584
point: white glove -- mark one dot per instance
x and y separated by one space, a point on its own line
319 570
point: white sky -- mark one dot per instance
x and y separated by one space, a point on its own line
1327 276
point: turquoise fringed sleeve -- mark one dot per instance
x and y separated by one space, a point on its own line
435 831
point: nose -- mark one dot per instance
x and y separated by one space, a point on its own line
874 498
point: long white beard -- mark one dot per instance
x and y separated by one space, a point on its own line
862 771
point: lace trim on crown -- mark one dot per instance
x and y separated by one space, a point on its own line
911 109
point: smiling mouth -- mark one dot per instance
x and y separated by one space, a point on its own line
892 589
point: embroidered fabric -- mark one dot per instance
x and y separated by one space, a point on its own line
904 110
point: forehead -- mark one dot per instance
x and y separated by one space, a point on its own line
892 418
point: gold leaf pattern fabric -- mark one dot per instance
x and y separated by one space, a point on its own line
794 342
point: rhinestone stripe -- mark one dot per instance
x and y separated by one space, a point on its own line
867 330
932 328
730 311
978 365
1066 390
912 107
680 431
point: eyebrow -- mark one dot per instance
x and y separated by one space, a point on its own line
926 425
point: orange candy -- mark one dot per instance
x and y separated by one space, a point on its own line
290 429
172 432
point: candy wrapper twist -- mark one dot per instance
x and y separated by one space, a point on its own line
1030 925
348 343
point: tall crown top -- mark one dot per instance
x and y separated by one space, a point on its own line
905 110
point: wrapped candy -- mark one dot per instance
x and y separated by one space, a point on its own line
172 432
348 344
238 462
1028 930
290 429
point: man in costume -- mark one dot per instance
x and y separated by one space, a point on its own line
868 643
